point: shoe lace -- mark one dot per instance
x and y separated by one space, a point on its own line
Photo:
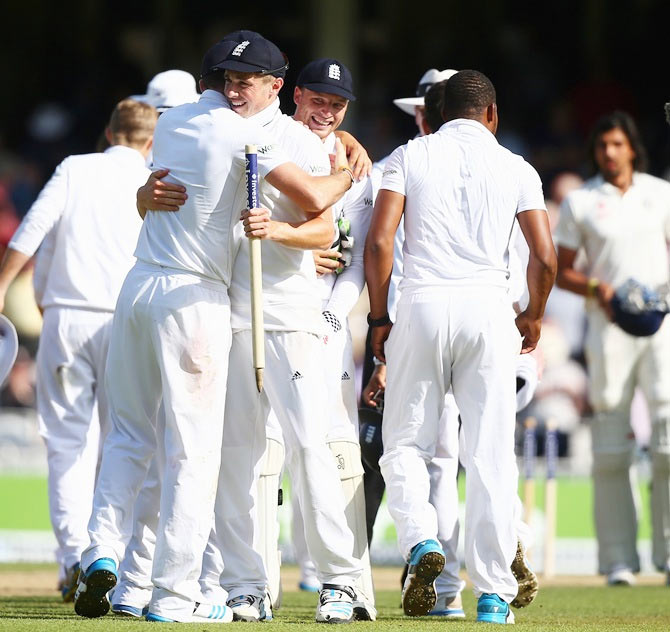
330 595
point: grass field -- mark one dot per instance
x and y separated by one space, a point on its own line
27 496
574 608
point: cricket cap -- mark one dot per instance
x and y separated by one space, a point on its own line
430 78
245 51
329 76
169 89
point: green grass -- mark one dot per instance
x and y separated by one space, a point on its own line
27 497
25 503
573 609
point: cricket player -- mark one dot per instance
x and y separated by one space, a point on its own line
293 383
443 467
620 219
322 94
87 212
454 308
164 348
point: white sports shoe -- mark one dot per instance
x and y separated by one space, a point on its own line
336 604
621 577
247 608
202 613
448 607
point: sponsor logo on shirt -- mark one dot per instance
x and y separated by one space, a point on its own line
334 72
367 201
389 172
239 49
296 376
264 149
345 376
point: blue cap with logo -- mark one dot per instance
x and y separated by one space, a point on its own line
327 75
251 52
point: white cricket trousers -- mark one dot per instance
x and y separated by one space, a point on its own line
170 340
617 363
70 374
294 388
464 338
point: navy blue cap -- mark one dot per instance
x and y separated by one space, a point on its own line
251 52
214 56
329 76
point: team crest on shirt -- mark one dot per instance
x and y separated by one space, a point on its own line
239 49
334 72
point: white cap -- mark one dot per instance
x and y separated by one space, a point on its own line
169 89
429 78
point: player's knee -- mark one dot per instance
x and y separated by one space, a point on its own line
659 446
610 464
347 458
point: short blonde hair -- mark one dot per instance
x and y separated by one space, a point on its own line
132 123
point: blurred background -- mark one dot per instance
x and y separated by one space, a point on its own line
556 66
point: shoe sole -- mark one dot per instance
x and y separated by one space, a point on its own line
419 598
93 602
493 617
527 580
68 595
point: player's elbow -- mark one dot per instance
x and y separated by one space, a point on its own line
547 262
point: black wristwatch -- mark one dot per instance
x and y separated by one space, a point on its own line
379 322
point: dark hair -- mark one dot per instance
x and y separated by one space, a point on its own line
624 122
467 94
215 80
433 101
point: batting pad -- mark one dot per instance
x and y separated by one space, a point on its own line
268 525
348 458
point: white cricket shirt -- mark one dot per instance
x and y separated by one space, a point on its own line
291 299
88 211
623 235
202 144
463 191
340 292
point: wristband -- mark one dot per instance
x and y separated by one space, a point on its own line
592 286
379 322
349 171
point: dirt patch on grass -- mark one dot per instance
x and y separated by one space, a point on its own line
41 581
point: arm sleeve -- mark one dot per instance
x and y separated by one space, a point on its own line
531 197
393 178
349 284
43 214
567 232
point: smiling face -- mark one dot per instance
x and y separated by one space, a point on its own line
250 93
320 111
613 154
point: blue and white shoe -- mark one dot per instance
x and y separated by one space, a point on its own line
129 611
310 584
425 564
69 585
448 607
248 608
492 609
202 613
336 604
90 600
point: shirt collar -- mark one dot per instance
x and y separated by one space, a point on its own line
126 153
266 116
470 124
216 97
608 187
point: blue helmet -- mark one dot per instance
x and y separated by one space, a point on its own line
638 310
